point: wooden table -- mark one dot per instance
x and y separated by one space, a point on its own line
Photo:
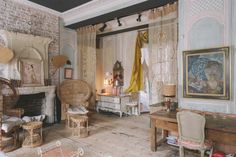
218 129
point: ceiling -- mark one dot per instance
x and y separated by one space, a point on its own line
79 13
60 5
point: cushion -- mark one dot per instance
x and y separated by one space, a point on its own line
10 122
77 110
34 118
195 145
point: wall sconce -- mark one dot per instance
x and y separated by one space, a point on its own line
68 62
108 79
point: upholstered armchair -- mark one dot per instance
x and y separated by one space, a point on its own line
75 94
10 116
191 128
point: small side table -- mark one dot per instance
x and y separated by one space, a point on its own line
80 126
35 136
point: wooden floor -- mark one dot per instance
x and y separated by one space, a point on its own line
110 136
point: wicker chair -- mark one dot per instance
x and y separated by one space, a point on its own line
75 94
9 125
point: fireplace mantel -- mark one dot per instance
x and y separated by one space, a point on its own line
48 106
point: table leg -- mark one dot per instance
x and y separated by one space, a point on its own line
164 134
87 126
153 136
31 137
41 134
120 114
79 127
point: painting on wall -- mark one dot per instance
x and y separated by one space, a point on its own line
32 72
207 73
68 73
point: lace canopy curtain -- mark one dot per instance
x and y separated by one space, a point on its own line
87 58
136 82
163 48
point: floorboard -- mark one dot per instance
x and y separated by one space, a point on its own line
109 136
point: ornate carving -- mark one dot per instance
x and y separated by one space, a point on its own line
118 74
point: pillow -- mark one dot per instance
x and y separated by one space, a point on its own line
77 110
34 118
11 122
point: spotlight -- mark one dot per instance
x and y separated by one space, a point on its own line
139 18
119 23
103 27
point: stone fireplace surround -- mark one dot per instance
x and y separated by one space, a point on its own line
29 46
48 106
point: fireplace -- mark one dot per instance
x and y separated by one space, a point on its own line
31 103
47 95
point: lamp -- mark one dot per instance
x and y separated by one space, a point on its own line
169 91
107 82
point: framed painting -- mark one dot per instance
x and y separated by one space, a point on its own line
207 73
32 72
68 73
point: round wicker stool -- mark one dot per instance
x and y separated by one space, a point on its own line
80 126
34 137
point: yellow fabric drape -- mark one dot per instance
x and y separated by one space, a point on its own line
136 82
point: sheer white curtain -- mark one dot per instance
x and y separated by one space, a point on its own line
87 56
163 52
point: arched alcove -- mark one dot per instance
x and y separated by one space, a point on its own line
206 33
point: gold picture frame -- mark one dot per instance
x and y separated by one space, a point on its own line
207 73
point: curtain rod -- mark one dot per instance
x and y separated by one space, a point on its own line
139 28
144 29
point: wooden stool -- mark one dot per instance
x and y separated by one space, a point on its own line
69 122
35 137
80 126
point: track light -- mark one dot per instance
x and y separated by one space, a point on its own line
139 18
103 27
119 23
